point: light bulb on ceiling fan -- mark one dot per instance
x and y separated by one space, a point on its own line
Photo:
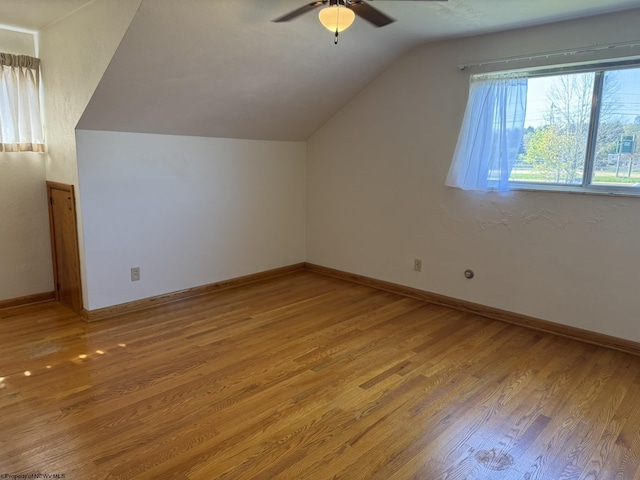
336 18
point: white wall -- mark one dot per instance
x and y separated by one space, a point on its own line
25 251
18 43
377 200
188 211
25 248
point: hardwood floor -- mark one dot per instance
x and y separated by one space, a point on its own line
309 377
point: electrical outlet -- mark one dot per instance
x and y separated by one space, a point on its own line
417 265
135 274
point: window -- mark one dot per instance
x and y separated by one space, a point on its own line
20 124
580 132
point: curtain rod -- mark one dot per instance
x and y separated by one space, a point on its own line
554 53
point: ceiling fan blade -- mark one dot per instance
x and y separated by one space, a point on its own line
369 13
300 11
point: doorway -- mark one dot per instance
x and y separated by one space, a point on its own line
64 245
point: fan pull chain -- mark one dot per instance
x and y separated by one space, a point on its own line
335 40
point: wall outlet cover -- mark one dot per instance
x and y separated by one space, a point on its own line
135 274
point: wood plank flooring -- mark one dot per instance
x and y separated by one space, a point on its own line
309 377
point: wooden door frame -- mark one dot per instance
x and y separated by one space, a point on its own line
71 191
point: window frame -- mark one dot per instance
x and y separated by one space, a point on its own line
586 187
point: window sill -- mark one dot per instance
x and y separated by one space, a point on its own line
590 190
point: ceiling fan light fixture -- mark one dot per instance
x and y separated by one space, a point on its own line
336 18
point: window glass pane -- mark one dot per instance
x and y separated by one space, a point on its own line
616 154
556 130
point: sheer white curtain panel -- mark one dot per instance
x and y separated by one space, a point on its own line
491 134
20 122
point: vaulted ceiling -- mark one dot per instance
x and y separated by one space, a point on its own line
222 68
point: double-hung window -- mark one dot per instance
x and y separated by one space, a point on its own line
575 129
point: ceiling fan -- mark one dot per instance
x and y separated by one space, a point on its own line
338 15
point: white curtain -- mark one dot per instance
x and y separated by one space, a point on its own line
491 134
20 123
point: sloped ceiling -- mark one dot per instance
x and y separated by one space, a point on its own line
222 68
